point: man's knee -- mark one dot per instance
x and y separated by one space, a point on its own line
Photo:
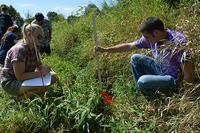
135 58
142 85
147 84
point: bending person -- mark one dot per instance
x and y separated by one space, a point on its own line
8 40
21 64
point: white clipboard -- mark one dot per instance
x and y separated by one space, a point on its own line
38 81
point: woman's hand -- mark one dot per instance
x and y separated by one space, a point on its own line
20 74
44 70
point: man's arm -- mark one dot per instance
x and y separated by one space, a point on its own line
188 71
117 48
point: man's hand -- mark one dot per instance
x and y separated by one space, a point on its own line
99 49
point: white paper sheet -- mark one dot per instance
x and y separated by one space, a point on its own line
38 81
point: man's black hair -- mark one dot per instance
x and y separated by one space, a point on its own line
151 24
39 16
4 7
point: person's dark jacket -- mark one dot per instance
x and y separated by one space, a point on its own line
5 22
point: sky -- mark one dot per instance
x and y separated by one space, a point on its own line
65 7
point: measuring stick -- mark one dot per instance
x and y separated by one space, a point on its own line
96 52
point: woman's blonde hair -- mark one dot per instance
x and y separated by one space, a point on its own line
31 28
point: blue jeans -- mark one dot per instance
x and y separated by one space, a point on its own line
149 76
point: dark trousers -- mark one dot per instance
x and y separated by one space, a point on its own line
45 50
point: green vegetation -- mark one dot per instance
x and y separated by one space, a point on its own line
74 105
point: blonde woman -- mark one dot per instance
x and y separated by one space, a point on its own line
22 63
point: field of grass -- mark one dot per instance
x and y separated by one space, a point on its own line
74 104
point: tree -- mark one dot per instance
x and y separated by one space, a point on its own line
12 11
71 19
54 16
29 17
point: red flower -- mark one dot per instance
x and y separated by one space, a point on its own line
107 99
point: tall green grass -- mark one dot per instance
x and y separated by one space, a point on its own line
74 105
